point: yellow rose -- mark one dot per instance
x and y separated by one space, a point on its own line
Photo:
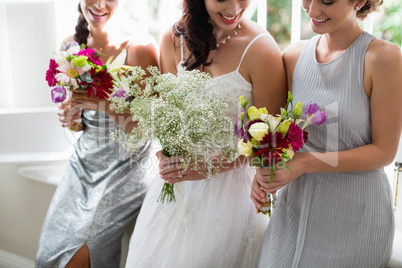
253 113
258 130
289 152
79 61
245 148
298 110
254 142
273 122
284 127
261 111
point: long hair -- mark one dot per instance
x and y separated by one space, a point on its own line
81 29
197 30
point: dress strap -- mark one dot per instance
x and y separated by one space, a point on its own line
128 45
249 45
181 49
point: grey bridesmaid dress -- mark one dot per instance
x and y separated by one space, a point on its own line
333 220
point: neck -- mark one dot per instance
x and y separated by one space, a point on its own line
340 40
104 37
99 38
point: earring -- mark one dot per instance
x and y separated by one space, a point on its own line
306 10
357 8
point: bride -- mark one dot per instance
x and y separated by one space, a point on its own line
213 223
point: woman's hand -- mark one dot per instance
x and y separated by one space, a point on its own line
281 177
171 172
68 115
80 100
257 194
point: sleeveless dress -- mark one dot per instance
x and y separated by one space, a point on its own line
338 220
213 223
99 195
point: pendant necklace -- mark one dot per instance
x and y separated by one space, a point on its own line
229 36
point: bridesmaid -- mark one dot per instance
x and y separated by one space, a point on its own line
103 187
334 207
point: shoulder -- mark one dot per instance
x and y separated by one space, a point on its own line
265 45
169 41
383 66
142 53
291 55
253 30
66 40
293 51
382 53
169 52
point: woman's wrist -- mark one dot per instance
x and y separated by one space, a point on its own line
306 164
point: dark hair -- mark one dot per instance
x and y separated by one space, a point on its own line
81 29
197 30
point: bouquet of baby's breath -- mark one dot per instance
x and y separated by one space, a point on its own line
187 119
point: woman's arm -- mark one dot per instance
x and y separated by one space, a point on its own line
383 69
169 53
267 73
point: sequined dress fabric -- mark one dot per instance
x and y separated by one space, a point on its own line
213 222
99 195
333 220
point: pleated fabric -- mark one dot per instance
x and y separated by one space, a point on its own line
333 219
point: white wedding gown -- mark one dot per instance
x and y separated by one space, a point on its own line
213 222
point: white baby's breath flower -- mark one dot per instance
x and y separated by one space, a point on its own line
180 112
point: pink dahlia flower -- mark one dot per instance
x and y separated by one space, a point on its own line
90 53
51 73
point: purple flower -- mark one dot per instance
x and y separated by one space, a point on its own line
119 93
316 116
238 127
58 94
70 44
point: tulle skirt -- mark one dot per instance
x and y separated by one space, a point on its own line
212 224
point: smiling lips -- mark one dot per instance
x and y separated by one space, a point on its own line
228 20
319 22
97 15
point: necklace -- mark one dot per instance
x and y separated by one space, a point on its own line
229 36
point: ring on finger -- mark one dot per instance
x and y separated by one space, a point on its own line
180 175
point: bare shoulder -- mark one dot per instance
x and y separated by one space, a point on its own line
382 54
66 40
142 53
293 51
169 55
264 45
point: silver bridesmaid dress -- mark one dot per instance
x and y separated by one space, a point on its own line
100 194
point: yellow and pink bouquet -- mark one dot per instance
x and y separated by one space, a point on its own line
272 140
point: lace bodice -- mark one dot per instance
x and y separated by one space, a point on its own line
232 85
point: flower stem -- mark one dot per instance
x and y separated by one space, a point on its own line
167 193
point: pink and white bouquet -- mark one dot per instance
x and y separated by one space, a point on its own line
77 67
272 140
